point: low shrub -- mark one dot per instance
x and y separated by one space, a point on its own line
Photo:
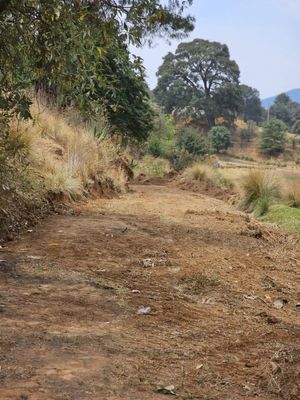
220 138
191 140
209 175
155 146
152 166
180 158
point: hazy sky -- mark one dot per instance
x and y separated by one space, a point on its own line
263 38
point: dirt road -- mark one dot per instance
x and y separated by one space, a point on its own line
70 291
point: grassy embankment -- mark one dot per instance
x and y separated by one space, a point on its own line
52 158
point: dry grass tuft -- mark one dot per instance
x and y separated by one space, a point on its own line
152 166
207 174
260 188
292 195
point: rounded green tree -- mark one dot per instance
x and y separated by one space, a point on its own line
192 141
273 139
220 138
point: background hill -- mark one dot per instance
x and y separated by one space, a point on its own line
294 95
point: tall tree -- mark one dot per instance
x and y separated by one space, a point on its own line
280 108
285 109
195 80
252 108
273 138
77 52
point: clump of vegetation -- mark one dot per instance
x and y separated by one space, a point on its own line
160 142
273 138
48 157
152 166
248 133
66 159
296 127
220 138
180 147
292 195
180 159
207 174
260 189
193 141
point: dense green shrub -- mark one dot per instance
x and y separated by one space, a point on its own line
273 137
155 146
220 138
191 140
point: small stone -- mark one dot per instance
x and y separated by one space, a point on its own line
34 257
279 303
135 291
167 390
144 310
148 263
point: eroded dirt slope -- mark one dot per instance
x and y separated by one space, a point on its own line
70 291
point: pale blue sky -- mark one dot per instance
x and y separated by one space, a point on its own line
263 38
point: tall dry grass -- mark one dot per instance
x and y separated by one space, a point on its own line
207 174
291 194
66 158
260 189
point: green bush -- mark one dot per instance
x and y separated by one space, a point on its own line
273 139
191 140
220 138
246 134
180 158
161 140
155 146
296 127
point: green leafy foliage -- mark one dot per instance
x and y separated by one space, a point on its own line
77 53
161 140
252 108
191 140
296 127
199 81
285 109
246 134
273 138
220 138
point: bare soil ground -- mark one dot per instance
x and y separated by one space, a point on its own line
70 291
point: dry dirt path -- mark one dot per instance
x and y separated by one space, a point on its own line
70 291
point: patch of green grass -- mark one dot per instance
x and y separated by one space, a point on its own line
286 217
